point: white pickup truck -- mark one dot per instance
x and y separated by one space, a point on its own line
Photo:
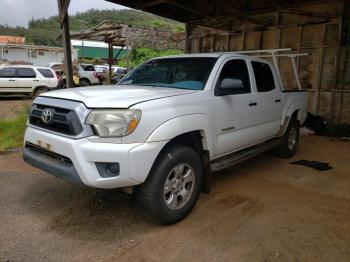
165 127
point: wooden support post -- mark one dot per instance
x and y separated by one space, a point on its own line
127 46
2 53
63 13
227 42
110 62
187 39
336 69
320 69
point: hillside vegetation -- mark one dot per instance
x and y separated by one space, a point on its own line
45 31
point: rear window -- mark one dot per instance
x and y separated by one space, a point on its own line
88 67
25 72
47 73
7 72
263 77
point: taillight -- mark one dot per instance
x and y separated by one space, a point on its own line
96 75
56 75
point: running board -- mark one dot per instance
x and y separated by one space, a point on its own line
234 158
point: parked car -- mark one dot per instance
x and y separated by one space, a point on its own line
26 80
117 78
120 70
59 69
88 75
101 69
165 127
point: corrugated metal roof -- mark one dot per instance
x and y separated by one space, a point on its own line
100 52
7 39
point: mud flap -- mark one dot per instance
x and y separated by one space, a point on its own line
206 172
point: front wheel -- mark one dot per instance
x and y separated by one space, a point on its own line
289 140
173 185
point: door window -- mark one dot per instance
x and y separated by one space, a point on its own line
263 77
26 72
47 73
235 77
7 72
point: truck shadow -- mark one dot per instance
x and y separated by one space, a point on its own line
84 213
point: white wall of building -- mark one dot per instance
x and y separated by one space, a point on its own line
39 57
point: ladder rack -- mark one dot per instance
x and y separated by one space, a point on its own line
274 53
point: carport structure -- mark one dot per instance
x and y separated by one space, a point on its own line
320 28
111 33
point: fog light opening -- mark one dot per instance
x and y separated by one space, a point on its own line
107 170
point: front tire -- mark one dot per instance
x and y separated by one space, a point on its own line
290 140
173 185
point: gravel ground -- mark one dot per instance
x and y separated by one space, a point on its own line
10 107
261 210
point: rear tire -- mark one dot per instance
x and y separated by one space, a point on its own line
39 91
289 140
84 82
173 185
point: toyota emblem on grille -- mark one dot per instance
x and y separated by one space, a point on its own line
47 115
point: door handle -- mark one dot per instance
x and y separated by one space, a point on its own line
278 100
12 80
36 80
253 104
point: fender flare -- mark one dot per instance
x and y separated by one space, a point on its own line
287 115
185 124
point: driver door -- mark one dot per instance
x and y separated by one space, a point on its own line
235 108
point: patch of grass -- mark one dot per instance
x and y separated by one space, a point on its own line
12 131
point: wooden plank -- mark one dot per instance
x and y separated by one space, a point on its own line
63 10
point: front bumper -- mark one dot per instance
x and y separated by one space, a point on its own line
135 159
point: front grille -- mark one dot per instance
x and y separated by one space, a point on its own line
47 153
63 121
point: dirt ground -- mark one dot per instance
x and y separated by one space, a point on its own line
261 210
10 107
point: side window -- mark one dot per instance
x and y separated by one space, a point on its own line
234 78
47 73
263 77
26 72
7 72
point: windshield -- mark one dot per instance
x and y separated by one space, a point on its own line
184 73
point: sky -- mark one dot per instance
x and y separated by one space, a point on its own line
19 12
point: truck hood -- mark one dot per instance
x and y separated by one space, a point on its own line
116 96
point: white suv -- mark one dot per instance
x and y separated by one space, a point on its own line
26 79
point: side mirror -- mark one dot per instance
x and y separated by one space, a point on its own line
231 83
229 86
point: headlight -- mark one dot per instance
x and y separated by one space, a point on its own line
114 123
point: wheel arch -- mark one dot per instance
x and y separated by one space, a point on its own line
35 88
191 130
183 126
284 125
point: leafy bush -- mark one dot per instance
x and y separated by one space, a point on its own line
139 55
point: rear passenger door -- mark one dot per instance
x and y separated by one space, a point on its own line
26 78
269 99
48 77
235 112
